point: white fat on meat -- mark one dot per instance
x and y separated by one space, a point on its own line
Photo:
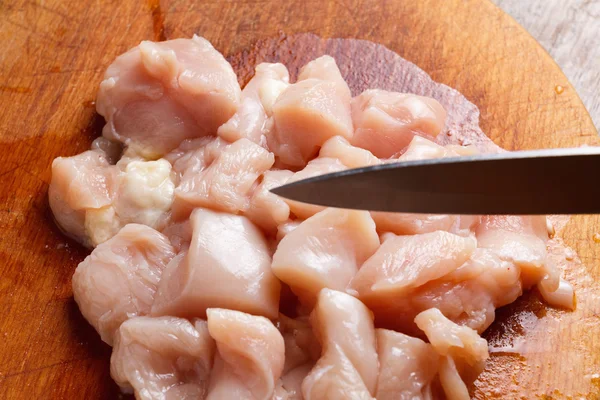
163 358
250 356
252 118
92 200
119 279
348 366
318 166
226 183
386 122
407 367
158 94
144 196
309 112
227 265
267 210
325 251
463 352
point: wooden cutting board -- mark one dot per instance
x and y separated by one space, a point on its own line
52 57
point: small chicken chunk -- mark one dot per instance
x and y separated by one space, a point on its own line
522 241
251 121
80 183
352 157
158 94
250 356
118 280
318 166
407 367
228 264
309 112
404 263
225 184
348 366
325 251
386 122
163 358
463 352
267 210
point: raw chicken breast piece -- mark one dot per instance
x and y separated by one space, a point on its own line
163 358
301 345
309 112
158 94
251 121
348 365
325 251
403 263
318 166
228 264
522 241
424 149
407 366
468 295
226 184
386 122
267 210
412 224
118 280
80 183
463 352
250 356
352 157
563 296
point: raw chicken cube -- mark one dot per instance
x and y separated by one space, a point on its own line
563 296
250 356
267 210
386 122
325 251
463 352
228 265
522 241
251 121
309 112
226 184
79 183
403 263
352 157
407 366
318 166
158 94
118 280
423 149
163 358
348 365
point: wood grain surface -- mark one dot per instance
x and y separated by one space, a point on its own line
52 57
570 31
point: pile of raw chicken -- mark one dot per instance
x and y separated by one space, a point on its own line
208 286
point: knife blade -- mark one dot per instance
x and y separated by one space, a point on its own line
551 181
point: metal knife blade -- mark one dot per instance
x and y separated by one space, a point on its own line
554 181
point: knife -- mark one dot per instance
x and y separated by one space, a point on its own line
551 181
